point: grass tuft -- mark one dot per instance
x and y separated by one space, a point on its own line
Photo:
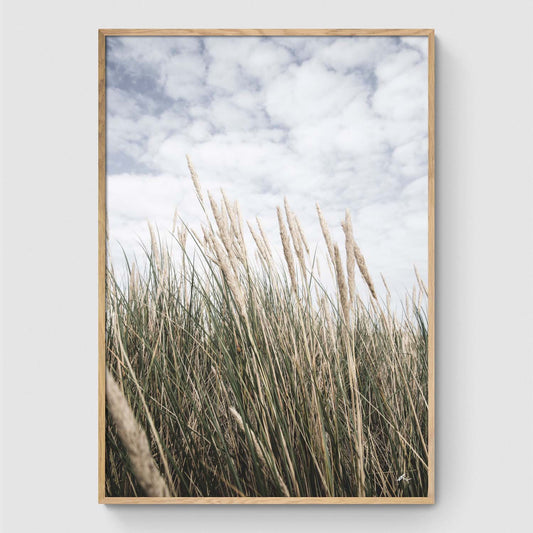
251 380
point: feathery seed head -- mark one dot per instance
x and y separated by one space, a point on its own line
134 440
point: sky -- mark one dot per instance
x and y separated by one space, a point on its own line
341 121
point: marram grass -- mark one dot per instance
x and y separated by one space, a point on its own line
245 377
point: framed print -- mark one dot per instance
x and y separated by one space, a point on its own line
266 266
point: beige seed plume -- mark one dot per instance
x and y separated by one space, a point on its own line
133 283
226 211
238 216
236 236
219 219
341 283
361 263
325 232
223 229
259 451
385 284
175 221
421 281
236 225
295 234
155 247
287 249
229 274
302 234
263 235
259 244
350 254
206 232
134 440
232 215
182 237
195 181
387 289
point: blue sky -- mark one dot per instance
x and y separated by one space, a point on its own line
340 121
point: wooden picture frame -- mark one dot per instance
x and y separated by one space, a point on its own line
103 34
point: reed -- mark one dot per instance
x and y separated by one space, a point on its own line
259 451
285 241
266 242
295 235
254 381
361 263
350 254
326 233
341 283
196 181
134 440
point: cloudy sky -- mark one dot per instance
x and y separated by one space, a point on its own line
340 121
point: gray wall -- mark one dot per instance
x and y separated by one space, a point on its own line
484 264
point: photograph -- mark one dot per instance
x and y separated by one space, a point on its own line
266 266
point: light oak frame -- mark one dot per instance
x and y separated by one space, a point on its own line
102 34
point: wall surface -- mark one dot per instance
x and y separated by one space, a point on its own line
484 264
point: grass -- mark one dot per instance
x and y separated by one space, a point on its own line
249 378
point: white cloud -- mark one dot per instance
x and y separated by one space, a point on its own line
402 86
310 92
341 121
182 76
347 54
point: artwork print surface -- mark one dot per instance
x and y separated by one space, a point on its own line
266 284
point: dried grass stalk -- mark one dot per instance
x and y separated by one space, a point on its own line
223 229
265 238
259 243
195 181
350 254
135 441
175 219
240 231
182 237
388 291
155 247
326 233
285 241
421 282
361 263
295 234
259 451
236 230
341 283
229 274
385 284
133 283
302 234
